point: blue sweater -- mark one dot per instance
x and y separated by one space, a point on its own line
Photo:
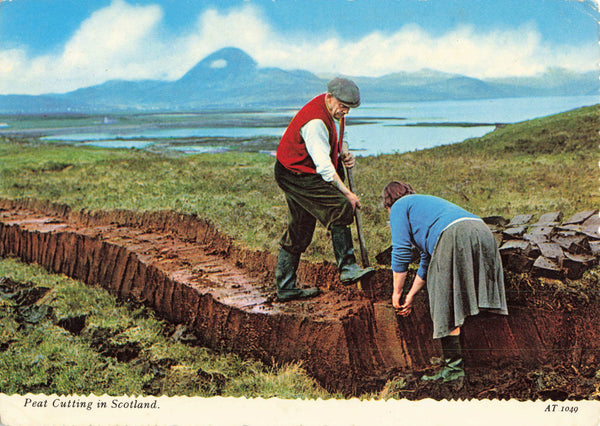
418 221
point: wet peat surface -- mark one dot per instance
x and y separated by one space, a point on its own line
350 340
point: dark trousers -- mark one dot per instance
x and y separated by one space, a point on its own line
309 199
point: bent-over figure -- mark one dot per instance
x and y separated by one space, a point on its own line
459 263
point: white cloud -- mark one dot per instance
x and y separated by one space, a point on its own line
462 51
112 35
11 61
123 41
111 43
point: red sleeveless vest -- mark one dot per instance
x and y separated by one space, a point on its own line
292 153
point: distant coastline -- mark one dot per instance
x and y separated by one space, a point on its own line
372 129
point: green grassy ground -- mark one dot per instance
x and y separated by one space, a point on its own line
535 167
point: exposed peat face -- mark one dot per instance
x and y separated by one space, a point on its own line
350 340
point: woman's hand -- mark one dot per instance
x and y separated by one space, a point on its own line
398 279
406 308
396 300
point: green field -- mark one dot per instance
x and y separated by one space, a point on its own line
538 166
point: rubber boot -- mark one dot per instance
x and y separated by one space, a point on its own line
452 368
285 278
350 272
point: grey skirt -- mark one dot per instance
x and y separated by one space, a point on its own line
465 276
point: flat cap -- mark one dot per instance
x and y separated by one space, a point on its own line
345 90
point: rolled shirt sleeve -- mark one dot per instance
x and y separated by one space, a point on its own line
316 137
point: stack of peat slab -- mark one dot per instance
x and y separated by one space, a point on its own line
549 247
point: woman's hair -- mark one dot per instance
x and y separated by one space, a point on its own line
393 191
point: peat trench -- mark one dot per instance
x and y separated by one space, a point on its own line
349 340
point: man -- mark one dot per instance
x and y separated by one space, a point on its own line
309 171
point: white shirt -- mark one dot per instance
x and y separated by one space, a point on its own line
316 137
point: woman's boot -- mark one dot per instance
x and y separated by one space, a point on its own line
452 368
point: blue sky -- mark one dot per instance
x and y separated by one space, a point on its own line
53 46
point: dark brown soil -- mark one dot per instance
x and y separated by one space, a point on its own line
350 340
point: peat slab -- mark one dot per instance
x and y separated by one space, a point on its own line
351 341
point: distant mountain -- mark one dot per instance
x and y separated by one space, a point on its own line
226 66
426 85
230 79
554 82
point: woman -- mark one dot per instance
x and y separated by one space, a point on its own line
459 262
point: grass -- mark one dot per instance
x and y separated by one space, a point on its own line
537 167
